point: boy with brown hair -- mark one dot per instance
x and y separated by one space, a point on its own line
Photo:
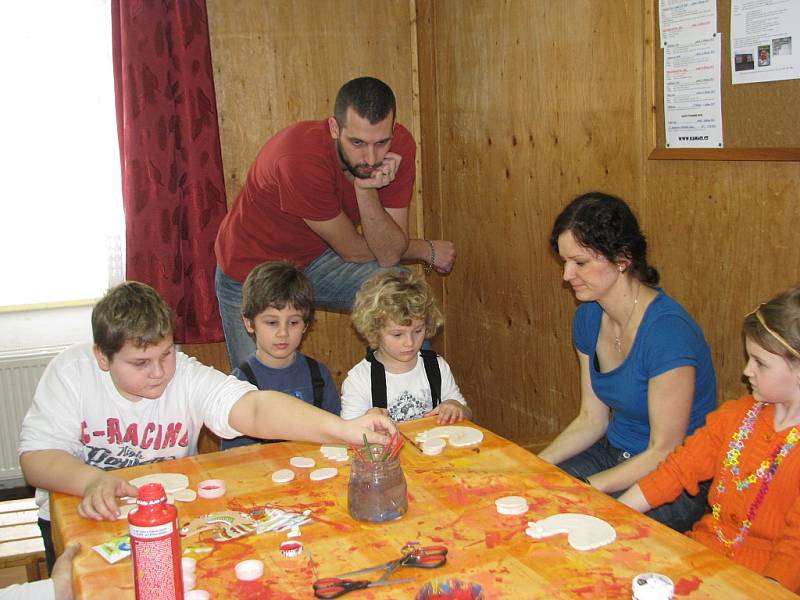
277 310
131 398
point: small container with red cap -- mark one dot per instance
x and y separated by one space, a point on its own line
155 545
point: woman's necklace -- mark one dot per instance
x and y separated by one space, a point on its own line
618 338
765 472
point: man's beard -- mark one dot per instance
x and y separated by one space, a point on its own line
353 169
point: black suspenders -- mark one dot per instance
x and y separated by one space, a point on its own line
317 381
378 377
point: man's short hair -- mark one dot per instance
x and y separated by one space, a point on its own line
370 98
277 284
130 312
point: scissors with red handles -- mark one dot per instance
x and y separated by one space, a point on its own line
333 587
421 557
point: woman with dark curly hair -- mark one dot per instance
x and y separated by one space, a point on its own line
647 380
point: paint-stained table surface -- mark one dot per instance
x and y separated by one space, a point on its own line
451 502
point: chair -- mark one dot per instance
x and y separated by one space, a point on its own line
20 539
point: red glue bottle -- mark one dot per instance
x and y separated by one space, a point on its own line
156 546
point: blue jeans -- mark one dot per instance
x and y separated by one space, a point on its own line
335 284
229 296
45 527
336 281
680 514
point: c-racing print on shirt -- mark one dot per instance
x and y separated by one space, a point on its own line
139 443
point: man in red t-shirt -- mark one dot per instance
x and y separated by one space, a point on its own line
305 195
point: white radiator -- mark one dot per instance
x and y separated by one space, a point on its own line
20 371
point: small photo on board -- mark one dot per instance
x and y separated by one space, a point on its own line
744 62
782 46
763 56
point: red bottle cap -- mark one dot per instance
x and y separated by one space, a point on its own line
151 493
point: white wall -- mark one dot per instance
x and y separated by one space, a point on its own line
36 329
52 327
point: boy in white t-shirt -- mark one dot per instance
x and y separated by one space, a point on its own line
131 399
395 312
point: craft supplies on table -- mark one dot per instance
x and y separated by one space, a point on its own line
414 556
377 490
451 503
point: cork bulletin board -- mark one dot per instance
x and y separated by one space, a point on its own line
759 120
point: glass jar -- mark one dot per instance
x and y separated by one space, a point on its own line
377 490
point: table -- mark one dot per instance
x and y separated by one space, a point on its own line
451 502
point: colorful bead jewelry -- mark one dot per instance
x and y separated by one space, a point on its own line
764 473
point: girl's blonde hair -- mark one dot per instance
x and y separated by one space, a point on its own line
398 296
775 325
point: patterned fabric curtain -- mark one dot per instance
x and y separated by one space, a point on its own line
172 180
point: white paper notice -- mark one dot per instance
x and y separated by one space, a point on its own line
762 35
682 21
692 99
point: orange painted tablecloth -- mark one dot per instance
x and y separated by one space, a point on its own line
451 502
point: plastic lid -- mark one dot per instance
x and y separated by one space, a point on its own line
291 548
151 493
211 488
249 570
652 586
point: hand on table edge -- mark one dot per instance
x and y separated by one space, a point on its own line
450 412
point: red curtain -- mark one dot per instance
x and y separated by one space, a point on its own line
172 181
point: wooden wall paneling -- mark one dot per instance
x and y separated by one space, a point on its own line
723 235
523 104
213 355
537 102
721 232
429 171
282 61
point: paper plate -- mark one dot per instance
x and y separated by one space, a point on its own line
172 482
457 435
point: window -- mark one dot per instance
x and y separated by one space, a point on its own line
61 220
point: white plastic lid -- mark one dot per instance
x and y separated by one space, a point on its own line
249 570
283 475
511 501
652 586
188 564
211 488
324 473
513 510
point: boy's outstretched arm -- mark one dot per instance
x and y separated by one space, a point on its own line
275 415
59 471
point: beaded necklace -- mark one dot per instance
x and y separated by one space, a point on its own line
765 472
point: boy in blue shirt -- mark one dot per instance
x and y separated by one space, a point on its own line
277 309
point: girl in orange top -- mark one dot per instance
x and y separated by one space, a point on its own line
748 447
